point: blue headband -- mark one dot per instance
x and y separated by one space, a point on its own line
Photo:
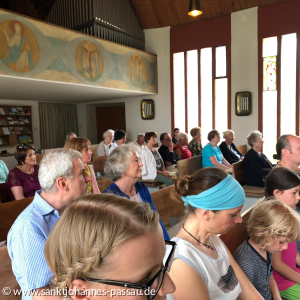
226 194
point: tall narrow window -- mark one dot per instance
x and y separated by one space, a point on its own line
179 90
221 91
288 84
206 93
192 90
269 130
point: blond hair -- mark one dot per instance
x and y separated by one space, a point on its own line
273 219
89 229
194 131
227 133
77 143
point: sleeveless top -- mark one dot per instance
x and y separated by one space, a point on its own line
185 152
89 188
217 274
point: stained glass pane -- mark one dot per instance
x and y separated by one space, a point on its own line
179 90
206 93
221 104
221 61
288 84
269 73
192 90
270 46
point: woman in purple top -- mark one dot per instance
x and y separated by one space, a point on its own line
23 180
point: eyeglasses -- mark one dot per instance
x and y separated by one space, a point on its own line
153 286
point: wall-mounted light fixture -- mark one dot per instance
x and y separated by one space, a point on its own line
195 8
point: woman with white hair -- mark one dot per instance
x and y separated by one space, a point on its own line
124 168
228 148
256 164
181 148
103 147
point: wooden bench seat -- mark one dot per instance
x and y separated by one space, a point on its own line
250 191
189 166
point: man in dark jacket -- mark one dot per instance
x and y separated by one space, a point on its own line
166 150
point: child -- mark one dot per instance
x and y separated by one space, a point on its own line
285 186
271 226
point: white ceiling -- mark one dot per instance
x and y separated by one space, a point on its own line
15 88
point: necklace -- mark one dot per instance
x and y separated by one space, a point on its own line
21 167
207 246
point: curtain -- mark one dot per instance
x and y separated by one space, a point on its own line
56 120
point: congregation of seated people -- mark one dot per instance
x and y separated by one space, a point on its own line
71 236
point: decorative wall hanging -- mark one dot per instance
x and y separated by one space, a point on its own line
147 109
243 103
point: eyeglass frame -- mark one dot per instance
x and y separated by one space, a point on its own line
146 286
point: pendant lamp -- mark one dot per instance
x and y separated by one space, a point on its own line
195 8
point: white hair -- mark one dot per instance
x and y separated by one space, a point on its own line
118 161
253 137
227 133
182 135
55 164
107 132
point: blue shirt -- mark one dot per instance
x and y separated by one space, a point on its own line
210 151
145 196
3 172
25 244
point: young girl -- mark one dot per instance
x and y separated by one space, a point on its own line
285 186
271 226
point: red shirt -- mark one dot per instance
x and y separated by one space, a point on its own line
186 153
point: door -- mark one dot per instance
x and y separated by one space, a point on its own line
110 117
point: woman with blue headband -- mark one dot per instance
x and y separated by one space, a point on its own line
203 268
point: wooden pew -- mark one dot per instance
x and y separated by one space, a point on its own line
39 157
238 234
4 197
250 191
165 205
98 163
94 149
189 166
243 149
9 213
103 183
7 277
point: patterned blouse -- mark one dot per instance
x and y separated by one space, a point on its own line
195 147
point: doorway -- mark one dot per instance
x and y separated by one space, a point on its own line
110 117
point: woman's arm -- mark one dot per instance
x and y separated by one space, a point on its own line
189 284
225 162
274 289
214 161
284 269
18 192
178 152
248 290
95 187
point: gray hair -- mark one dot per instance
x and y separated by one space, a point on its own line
227 133
55 164
118 161
253 137
69 135
182 135
107 132
140 135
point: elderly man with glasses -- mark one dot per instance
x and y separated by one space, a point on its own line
166 150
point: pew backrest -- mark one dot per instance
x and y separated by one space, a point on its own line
103 183
189 166
4 197
98 163
238 171
9 213
238 234
166 206
39 157
243 149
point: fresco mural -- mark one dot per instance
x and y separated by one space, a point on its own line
33 49
19 47
89 61
137 71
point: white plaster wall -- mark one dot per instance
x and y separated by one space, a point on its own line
157 42
34 117
244 69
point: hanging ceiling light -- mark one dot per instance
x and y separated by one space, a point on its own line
195 8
